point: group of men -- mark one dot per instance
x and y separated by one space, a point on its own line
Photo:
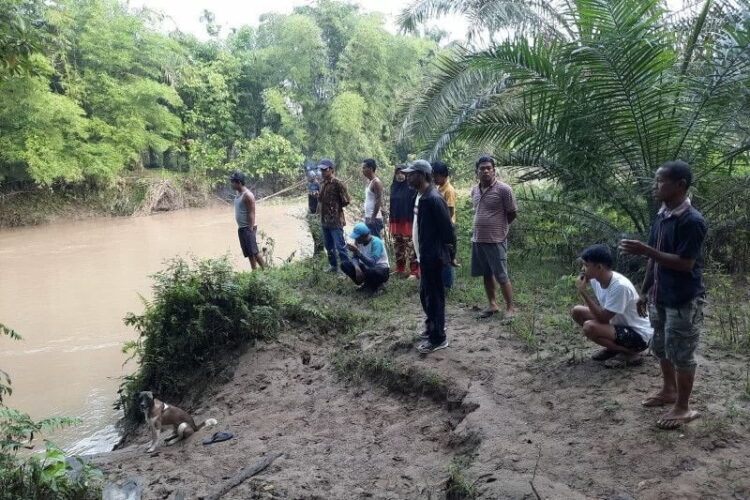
433 236
666 314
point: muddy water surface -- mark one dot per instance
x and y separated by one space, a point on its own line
65 287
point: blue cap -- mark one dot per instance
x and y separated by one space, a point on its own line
360 229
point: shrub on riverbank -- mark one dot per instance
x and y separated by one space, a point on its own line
201 315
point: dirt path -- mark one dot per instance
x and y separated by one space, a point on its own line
572 425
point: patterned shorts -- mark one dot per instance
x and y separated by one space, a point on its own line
676 332
629 338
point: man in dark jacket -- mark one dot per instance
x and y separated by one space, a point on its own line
435 236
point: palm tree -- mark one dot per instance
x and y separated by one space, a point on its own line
593 94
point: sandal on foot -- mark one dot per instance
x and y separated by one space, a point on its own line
604 355
672 423
487 314
656 402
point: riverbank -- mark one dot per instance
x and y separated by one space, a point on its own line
512 410
148 192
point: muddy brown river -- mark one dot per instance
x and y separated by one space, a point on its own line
65 287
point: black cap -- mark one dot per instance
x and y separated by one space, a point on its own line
238 177
325 163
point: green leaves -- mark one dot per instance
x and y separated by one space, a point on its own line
599 107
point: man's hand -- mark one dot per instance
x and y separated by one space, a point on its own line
642 306
635 247
353 248
581 283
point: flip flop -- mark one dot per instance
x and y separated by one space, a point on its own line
655 402
487 314
604 355
669 424
218 437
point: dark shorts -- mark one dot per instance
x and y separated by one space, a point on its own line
248 241
490 259
629 339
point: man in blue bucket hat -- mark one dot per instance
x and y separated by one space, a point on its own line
369 266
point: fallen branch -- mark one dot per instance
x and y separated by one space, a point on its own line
243 475
293 186
533 488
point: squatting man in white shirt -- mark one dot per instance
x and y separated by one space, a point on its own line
611 319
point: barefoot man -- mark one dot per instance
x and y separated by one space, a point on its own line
244 212
611 320
673 288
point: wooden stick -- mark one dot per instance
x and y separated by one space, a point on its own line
293 186
242 475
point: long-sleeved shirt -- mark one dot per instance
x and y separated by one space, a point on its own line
434 228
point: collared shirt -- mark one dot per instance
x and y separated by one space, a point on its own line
332 200
448 192
680 231
491 208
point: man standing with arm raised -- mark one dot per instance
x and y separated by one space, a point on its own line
674 288
494 211
435 237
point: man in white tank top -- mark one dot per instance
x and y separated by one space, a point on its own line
373 198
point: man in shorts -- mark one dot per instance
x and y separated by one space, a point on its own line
494 211
674 289
244 212
611 319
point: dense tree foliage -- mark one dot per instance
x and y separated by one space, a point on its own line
595 95
91 87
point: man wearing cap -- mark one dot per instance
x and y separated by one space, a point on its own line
331 202
244 212
369 266
435 237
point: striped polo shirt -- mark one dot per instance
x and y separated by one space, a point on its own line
491 208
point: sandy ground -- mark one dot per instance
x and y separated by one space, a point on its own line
572 426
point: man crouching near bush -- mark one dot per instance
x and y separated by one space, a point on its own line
613 322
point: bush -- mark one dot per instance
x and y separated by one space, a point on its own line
201 315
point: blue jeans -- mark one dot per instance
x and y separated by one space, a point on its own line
375 226
333 239
448 275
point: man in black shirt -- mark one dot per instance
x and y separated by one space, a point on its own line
436 236
674 289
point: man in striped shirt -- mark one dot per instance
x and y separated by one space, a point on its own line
494 210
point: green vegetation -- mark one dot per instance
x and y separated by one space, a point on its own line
590 98
90 90
458 486
201 315
42 475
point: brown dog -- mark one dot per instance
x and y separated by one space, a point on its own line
159 414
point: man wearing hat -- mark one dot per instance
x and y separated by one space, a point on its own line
244 212
331 202
434 238
369 266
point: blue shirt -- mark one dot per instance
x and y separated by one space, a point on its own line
681 232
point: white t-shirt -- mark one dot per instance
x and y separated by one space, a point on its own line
621 298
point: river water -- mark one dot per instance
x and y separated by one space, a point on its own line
65 287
